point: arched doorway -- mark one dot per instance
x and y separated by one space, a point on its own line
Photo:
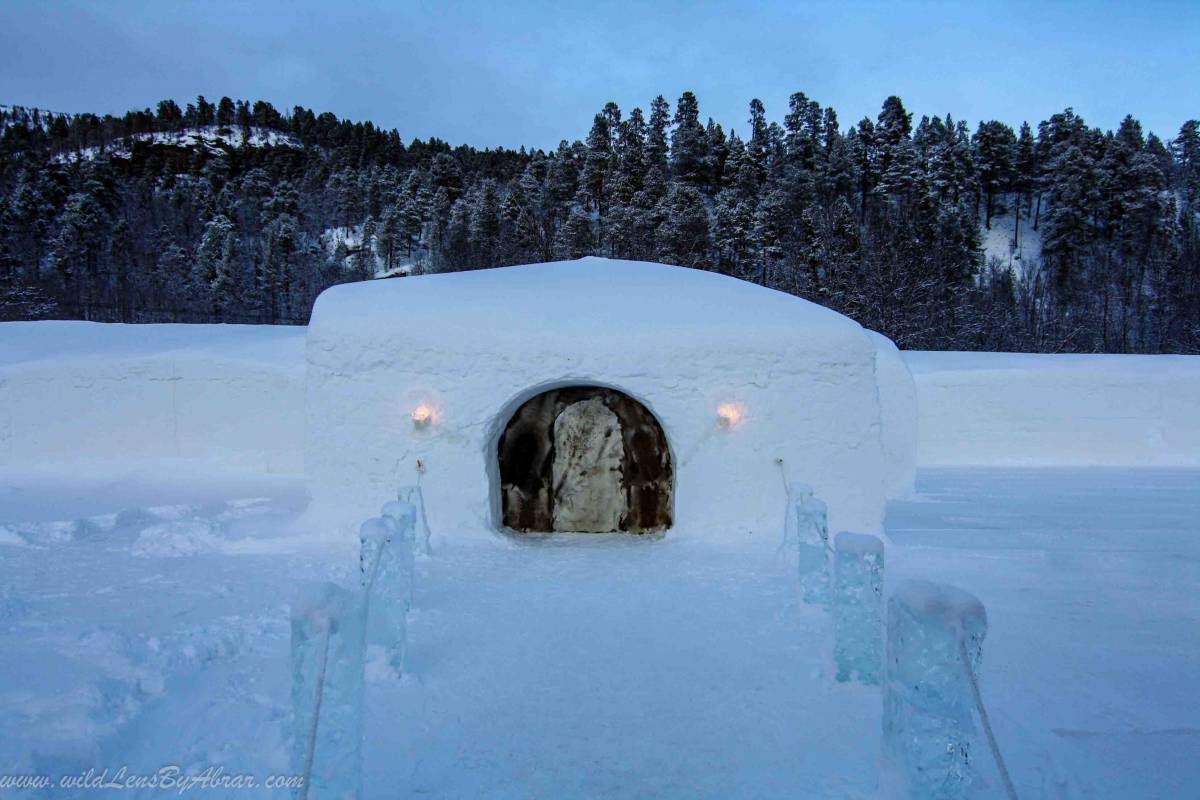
587 459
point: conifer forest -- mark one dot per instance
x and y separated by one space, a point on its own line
1051 237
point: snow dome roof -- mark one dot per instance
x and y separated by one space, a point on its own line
583 298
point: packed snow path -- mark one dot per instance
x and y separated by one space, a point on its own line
601 666
619 667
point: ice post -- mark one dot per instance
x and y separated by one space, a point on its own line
930 740
858 607
412 495
386 564
796 493
327 692
808 516
404 514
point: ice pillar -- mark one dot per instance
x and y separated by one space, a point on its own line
404 514
930 740
413 495
327 692
858 607
386 564
807 519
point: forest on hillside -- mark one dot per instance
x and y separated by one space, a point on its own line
234 211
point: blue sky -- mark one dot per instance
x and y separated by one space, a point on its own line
532 73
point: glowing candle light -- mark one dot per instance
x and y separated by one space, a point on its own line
422 415
728 414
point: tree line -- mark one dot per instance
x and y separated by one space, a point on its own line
234 211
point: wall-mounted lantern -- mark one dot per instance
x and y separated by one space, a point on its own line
422 416
728 415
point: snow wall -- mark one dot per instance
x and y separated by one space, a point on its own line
1015 409
74 393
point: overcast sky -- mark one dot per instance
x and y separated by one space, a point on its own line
508 73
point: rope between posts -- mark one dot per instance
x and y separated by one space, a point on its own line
312 734
782 474
424 521
787 492
983 718
424 517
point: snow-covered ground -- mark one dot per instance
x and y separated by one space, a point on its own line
1000 240
148 553
352 240
148 626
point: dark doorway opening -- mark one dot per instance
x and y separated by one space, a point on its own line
585 459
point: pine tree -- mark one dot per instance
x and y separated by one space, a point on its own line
594 179
689 144
864 152
657 168
574 239
656 135
682 236
1067 225
456 249
717 146
995 153
1025 176
169 117
214 271
772 227
485 225
388 237
758 147
205 112
631 158
1186 149
804 126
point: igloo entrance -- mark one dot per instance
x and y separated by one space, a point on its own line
585 459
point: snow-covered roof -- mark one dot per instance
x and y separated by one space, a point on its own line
588 298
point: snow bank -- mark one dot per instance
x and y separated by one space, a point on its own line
1011 409
78 392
